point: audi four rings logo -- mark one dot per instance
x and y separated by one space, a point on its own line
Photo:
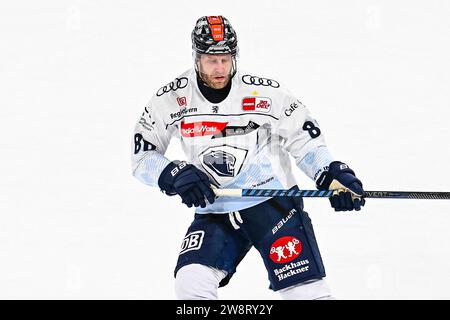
178 83
257 81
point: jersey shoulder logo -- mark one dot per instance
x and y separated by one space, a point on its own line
259 81
178 83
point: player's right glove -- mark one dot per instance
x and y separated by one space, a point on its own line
349 194
186 180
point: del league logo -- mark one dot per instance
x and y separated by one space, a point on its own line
285 249
259 104
182 101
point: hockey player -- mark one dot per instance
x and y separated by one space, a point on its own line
238 130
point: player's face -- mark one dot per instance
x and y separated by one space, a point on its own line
216 69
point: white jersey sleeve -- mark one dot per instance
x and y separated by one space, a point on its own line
150 141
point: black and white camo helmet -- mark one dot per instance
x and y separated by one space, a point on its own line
214 35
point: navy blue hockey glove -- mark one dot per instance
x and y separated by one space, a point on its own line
349 194
186 180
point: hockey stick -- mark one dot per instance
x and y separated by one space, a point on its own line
329 193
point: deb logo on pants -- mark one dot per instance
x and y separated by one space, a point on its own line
285 249
192 241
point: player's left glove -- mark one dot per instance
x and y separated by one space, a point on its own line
349 194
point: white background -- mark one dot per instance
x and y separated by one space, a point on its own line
75 76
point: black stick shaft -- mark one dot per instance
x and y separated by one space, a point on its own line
328 193
407 195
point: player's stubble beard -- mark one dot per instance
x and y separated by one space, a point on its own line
211 81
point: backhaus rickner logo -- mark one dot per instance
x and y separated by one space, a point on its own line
292 269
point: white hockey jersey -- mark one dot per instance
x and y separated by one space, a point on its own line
242 142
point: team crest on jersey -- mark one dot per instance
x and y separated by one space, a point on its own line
224 162
259 104
221 162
